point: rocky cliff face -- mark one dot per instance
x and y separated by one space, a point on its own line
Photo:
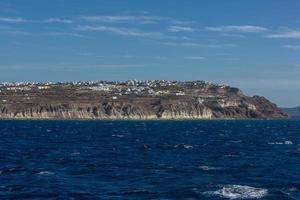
74 103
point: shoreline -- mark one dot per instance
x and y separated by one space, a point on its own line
171 119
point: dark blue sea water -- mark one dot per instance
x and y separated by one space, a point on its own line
150 159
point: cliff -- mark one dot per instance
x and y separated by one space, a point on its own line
179 100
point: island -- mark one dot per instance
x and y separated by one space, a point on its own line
132 99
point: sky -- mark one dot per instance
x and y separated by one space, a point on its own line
250 44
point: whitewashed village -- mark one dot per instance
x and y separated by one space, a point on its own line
117 88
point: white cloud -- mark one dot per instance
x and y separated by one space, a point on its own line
119 31
232 59
12 31
183 44
16 20
242 28
15 32
191 44
181 29
68 34
58 20
233 35
180 22
13 20
124 19
289 34
294 47
195 58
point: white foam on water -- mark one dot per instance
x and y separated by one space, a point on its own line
185 146
208 168
46 173
239 192
288 142
12 169
117 135
188 146
282 143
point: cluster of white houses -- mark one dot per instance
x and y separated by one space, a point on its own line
130 87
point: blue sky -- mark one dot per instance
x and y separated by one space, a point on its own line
251 44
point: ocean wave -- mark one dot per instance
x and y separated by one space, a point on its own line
46 173
117 135
176 146
187 146
208 168
184 146
282 143
239 192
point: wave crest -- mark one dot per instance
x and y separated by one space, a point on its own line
240 192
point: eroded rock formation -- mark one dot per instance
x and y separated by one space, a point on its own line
190 101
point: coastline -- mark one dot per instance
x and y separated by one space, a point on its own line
150 119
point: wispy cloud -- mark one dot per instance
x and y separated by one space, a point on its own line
13 20
12 31
233 35
195 58
67 34
232 59
181 29
294 47
242 29
57 20
181 22
288 33
191 44
18 20
16 32
119 31
144 19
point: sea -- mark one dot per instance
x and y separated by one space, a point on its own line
195 159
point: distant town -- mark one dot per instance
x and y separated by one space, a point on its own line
118 88
132 99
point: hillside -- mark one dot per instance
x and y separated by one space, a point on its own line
131 100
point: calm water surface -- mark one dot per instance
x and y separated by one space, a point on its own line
150 159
